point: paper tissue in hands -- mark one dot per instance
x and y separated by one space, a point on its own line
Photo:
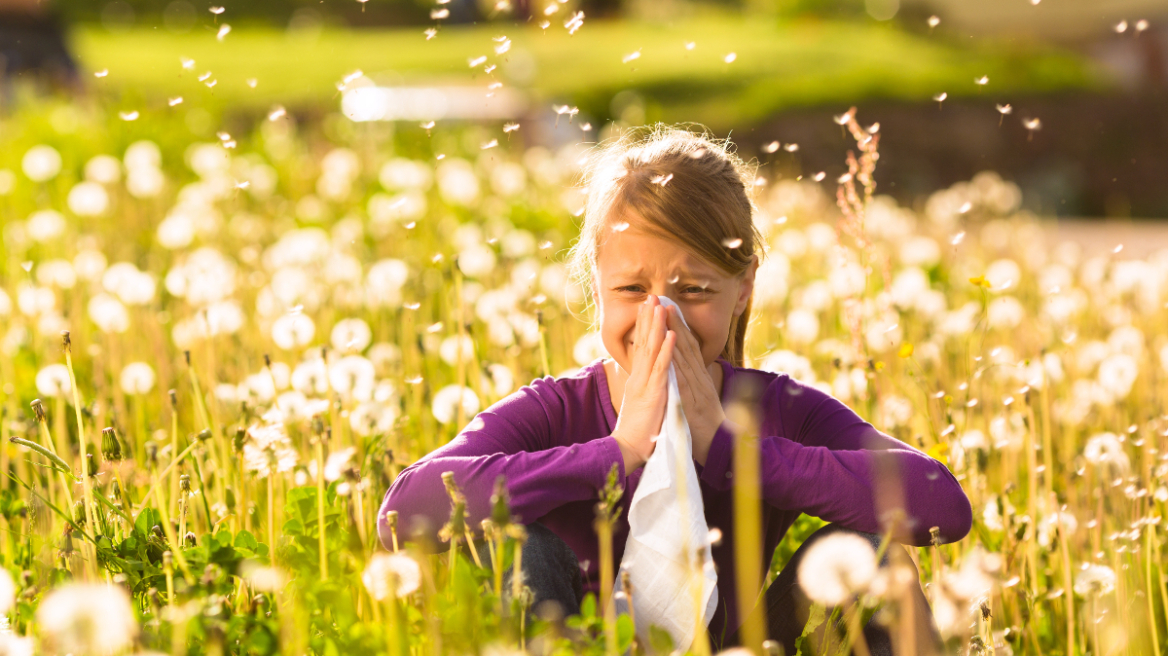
667 555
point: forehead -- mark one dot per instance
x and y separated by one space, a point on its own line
634 252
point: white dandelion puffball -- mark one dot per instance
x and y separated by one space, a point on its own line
396 573
261 577
1095 579
401 173
457 182
293 330
143 155
45 225
108 314
53 381
444 407
41 163
477 260
802 327
88 199
88 618
351 335
836 568
450 348
103 169
137 378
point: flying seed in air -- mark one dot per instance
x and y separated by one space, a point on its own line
102 73
770 147
277 112
636 54
439 14
188 64
730 57
662 179
510 127
430 33
128 116
224 29
791 147
475 62
818 177
732 243
934 21
174 101
574 22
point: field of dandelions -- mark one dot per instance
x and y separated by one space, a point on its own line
216 356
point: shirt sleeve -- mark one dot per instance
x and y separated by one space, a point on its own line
831 464
514 438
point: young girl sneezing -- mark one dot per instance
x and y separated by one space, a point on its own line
669 214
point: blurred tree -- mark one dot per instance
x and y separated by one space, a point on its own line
32 46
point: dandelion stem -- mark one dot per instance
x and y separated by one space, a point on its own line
320 508
169 466
81 438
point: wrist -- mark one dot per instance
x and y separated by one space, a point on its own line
632 458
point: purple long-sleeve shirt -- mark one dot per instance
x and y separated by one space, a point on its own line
552 441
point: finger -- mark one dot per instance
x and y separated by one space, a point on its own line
665 356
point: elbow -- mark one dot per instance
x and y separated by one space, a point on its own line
955 520
417 518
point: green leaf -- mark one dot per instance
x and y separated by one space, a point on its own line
245 540
815 618
588 606
660 640
625 630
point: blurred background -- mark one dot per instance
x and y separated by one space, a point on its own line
1066 98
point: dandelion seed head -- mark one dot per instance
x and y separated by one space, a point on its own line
836 567
87 618
216 10
982 81
1032 124
391 573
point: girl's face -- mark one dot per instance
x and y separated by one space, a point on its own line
633 263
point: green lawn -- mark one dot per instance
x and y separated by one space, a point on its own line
776 65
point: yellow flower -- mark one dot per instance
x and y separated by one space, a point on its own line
906 350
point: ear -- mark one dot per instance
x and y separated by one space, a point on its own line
746 286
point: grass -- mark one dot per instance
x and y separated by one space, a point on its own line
777 65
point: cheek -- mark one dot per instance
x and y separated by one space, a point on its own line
712 329
616 325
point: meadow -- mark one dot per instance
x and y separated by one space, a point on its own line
216 355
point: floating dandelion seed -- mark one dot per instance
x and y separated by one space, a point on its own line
544 245
277 113
427 125
216 10
845 178
620 226
965 207
187 64
411 306
1141 25
818 177
982 81
102 73
475 62
252 82
551 9
128 116
791 147
564 109
242 185
489 68
1005 109
205 76
362 5
586 127
504 45
490 144
690 45
662 179
435 327
874 128
1117 249
510 127
732 243
440 156
1032 125
224 30
414 380
1035 2
940 98
842 119
730 57
1121 27
430 33
543 25
352 76
636 54
770 147
934 21
957 238
211 83
439 14
174 101
574 22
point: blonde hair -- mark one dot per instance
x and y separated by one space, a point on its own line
683 185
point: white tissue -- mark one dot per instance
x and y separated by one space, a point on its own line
667 527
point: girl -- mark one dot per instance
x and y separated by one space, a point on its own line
670 215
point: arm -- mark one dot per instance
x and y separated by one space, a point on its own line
832 464
513 438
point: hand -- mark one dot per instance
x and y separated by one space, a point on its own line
699 395
643 406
